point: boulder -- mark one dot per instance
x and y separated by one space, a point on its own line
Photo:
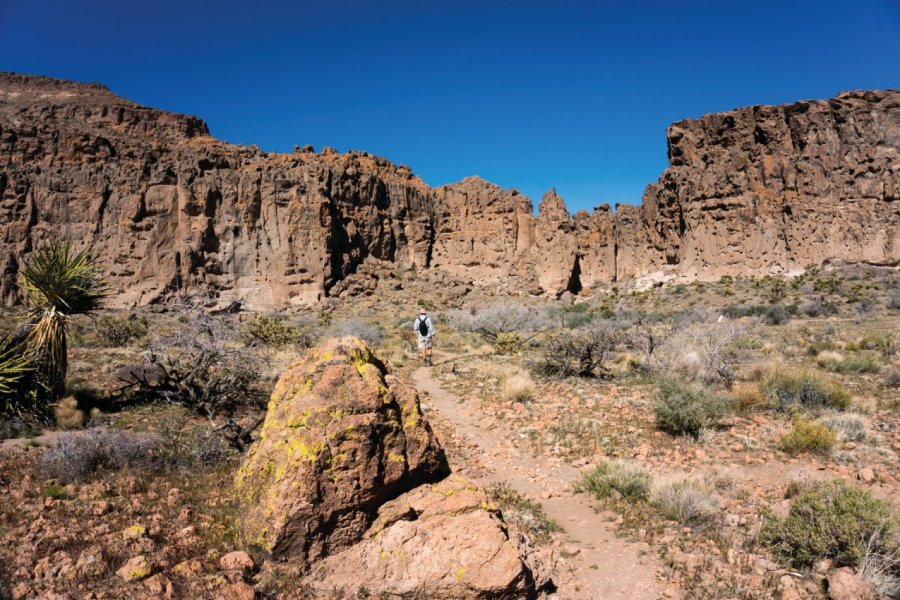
844 584
342 436
437 541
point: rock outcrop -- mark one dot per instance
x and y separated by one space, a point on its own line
164 206
440 541
349 485
342 436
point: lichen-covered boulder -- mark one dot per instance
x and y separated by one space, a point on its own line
445 540
342 436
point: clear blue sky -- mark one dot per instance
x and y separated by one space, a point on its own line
530 95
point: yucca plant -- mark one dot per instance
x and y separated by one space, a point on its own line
15 368
58 283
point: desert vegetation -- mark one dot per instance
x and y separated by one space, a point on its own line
689 412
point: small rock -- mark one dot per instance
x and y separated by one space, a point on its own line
866 475
844 584
188 568
237 591
238 560
159 585
135 569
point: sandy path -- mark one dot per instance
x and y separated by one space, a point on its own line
605 566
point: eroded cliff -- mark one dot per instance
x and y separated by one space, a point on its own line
164 206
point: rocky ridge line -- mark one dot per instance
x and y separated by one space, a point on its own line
164 206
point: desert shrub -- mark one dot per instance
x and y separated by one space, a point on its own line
833 520
893 299
748 398
685 408
620 478
849 364
115 332
523 512
737 311
198 367
572 316
368 332
847 427
509 343
701 351
270 330
503 318
892 378
807 436
777 315
582 354
888 345
646 338
518 387
818 308
185 447
805 389
691 502
16 427
78 455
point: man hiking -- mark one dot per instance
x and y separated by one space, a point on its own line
424 329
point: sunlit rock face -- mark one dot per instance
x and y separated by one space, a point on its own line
165 207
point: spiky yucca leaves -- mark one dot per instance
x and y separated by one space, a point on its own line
58 284
55 276
15 366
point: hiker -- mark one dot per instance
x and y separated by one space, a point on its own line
424 329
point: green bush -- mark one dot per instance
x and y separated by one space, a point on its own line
807 436
832 520
115 332
509 343
686 408
268 330
625 479
806 389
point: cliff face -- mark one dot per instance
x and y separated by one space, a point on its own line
164 206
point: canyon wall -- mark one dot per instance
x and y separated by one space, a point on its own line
164 206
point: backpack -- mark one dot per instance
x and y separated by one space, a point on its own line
423 326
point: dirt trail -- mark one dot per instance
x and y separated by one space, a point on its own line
605 565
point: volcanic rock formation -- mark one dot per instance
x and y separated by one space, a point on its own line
348 479
164 206
341 437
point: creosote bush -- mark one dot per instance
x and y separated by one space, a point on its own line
808 436
583 354
683 408
115 332
833 520
805 389
620 478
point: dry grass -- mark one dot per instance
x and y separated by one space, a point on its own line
518 387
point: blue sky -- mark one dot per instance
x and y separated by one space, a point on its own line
530 95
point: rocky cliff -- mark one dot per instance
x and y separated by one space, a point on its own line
165 206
